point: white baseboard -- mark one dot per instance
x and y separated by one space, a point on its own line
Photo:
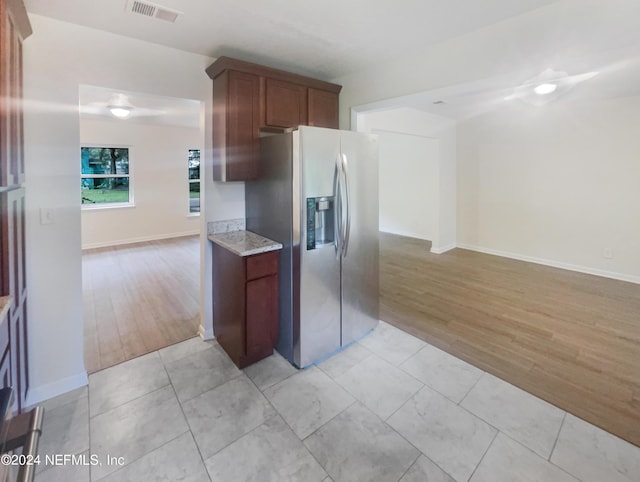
554 264
39 394
407 234
434 250
443 249
142 239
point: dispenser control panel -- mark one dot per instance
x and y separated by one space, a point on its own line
320 222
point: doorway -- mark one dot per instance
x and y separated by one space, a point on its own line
140 189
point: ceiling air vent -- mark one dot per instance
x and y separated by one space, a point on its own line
152 10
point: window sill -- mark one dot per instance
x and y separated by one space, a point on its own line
193 215
99 207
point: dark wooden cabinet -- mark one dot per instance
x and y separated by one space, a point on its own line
245 304
249 97
5 352
18 348
13 241
323 108
14 28
236 126
285 104
13 281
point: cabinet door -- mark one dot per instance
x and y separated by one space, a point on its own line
5 354
5 369
285 104
11 119
18 350
243 126
14 283
12 255
229 302
236 126
262 316
323 108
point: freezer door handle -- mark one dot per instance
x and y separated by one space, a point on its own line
337 212
347 224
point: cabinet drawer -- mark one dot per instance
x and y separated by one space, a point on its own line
260 265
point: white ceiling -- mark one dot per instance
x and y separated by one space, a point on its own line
147 108
326 39
470 99
331 38
576 36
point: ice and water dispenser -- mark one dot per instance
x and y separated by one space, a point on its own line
320 221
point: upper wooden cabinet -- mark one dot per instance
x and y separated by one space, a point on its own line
249 97
14 28
236 126
285 104
323 108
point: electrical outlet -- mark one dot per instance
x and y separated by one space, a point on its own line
47 216
608 253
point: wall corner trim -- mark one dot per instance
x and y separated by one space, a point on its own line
443 249
205 334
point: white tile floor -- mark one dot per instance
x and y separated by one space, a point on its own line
390 408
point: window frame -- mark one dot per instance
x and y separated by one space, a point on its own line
193 181
130 176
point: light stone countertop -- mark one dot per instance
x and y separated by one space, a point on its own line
5 303
244 243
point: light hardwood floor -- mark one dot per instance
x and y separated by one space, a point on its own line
139 298
571 339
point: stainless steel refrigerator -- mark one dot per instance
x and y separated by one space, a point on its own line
317 194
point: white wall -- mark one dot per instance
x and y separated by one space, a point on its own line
571 35
58 57
556 184
420 200
158 157
408 184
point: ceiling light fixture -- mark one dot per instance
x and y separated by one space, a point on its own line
544 89
120 112
547 87
119 106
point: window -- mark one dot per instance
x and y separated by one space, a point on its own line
194 181
105 176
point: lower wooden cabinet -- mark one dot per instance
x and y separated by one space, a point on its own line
19 362
13 284
245 304
5 352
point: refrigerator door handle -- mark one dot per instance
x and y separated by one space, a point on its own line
347 225
337 212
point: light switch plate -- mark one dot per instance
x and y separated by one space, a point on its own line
47 216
